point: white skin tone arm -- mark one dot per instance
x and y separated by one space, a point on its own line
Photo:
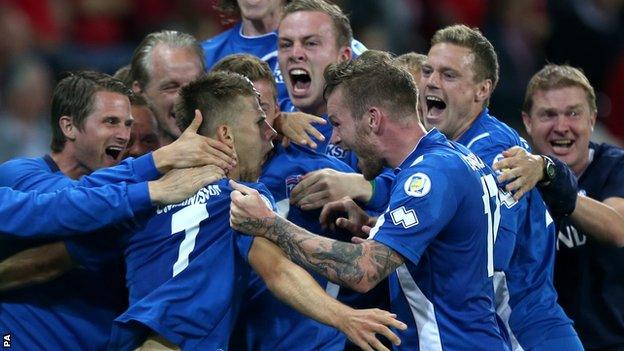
604 221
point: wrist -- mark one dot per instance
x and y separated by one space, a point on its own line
161 159
548 171
363 189
155 193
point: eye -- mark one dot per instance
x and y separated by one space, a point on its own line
426 71
284 44
449 75
312 43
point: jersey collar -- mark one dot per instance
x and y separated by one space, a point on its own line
432 137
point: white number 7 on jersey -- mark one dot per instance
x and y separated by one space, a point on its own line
187 220
491 204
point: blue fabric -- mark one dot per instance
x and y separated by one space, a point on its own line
528 233
269 324
440 223
75 311
232 41
186 273
588 273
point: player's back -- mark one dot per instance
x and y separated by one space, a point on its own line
186 272
442 217
527 288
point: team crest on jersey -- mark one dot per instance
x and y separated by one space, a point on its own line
417 185
291 183
496 159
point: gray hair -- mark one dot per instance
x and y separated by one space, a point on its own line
140 66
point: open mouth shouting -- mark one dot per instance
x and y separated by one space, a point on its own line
435 106
561 146
114 152
300 81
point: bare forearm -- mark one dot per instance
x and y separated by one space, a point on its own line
601 221
294 286
34 266
358 266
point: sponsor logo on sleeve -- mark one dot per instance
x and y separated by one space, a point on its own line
417 185
404 217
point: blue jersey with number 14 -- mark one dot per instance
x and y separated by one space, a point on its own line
442 218
186 274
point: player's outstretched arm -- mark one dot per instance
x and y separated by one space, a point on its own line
179 184
294 286
34 266
298 127
357 266
325 185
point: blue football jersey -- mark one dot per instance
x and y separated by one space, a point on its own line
267 323
442 218
232 41
76 310
187 271
524 249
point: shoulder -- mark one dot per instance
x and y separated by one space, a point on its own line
492 138
609 151
13 170
219 39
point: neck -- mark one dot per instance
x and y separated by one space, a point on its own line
68 164
268 24
467 124
582 166
400 141
234 174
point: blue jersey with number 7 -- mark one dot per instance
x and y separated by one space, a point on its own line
186 273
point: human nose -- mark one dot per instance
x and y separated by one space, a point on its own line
561 124
298 52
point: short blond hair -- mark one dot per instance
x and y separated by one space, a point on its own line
556 77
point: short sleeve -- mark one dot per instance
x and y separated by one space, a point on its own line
422 203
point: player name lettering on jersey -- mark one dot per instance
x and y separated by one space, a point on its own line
202 196
474 162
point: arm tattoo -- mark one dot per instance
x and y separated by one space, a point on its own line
341 262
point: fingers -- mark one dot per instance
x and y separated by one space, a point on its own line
386 332
353 227
357 240
220 148
285 142
310 130
192 128
314 201
243 189
366 230
376 344
328 211
304 188
514 185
